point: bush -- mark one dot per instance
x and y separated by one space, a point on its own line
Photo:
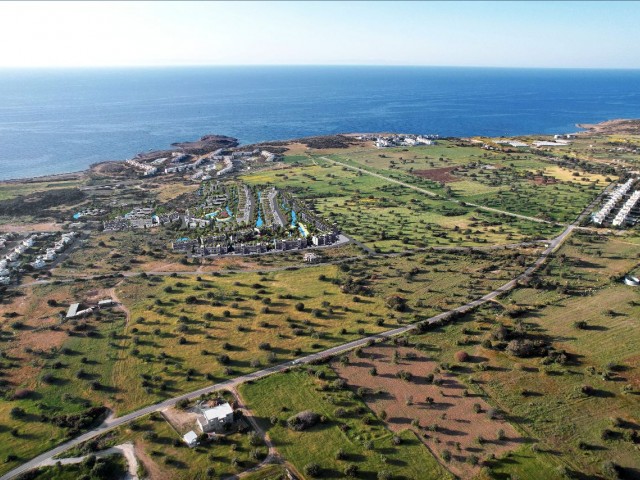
527 348
303 420
17 412
351 471
312 469
461 356
610 470
446 455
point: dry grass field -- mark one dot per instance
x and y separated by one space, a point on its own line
452 421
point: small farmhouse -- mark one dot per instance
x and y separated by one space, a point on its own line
214 419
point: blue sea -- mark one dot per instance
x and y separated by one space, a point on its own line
55 121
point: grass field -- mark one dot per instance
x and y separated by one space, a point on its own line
575 431
390 217
364 443
513 182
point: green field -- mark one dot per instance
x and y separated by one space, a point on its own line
366 444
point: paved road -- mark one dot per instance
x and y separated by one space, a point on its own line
433 194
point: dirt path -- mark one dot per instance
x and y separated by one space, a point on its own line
273 457
123 307
125 449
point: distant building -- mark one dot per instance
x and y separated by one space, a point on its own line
311 257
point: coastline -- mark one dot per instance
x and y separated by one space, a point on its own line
608 126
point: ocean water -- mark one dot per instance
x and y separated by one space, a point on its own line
55 121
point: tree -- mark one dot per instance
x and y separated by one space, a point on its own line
461 356
312 469
351 470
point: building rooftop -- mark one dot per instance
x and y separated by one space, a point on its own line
190 437
218 412
73 309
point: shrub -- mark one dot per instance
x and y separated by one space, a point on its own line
580 324
586 389
303 420
312 469
351 471
446 455
610 470
21 394
17 412
461 356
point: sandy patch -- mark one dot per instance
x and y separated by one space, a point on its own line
31 227
438 174
181 420
459 427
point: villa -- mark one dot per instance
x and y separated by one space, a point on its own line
214 419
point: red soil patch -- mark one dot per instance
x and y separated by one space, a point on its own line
539 180
438 174
459 426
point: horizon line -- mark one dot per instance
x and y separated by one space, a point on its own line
298 65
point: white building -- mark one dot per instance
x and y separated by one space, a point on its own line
214 419
191 439
38 263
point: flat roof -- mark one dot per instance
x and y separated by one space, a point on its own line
73 309
190 437
220 411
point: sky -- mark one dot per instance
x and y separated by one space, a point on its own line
496 34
